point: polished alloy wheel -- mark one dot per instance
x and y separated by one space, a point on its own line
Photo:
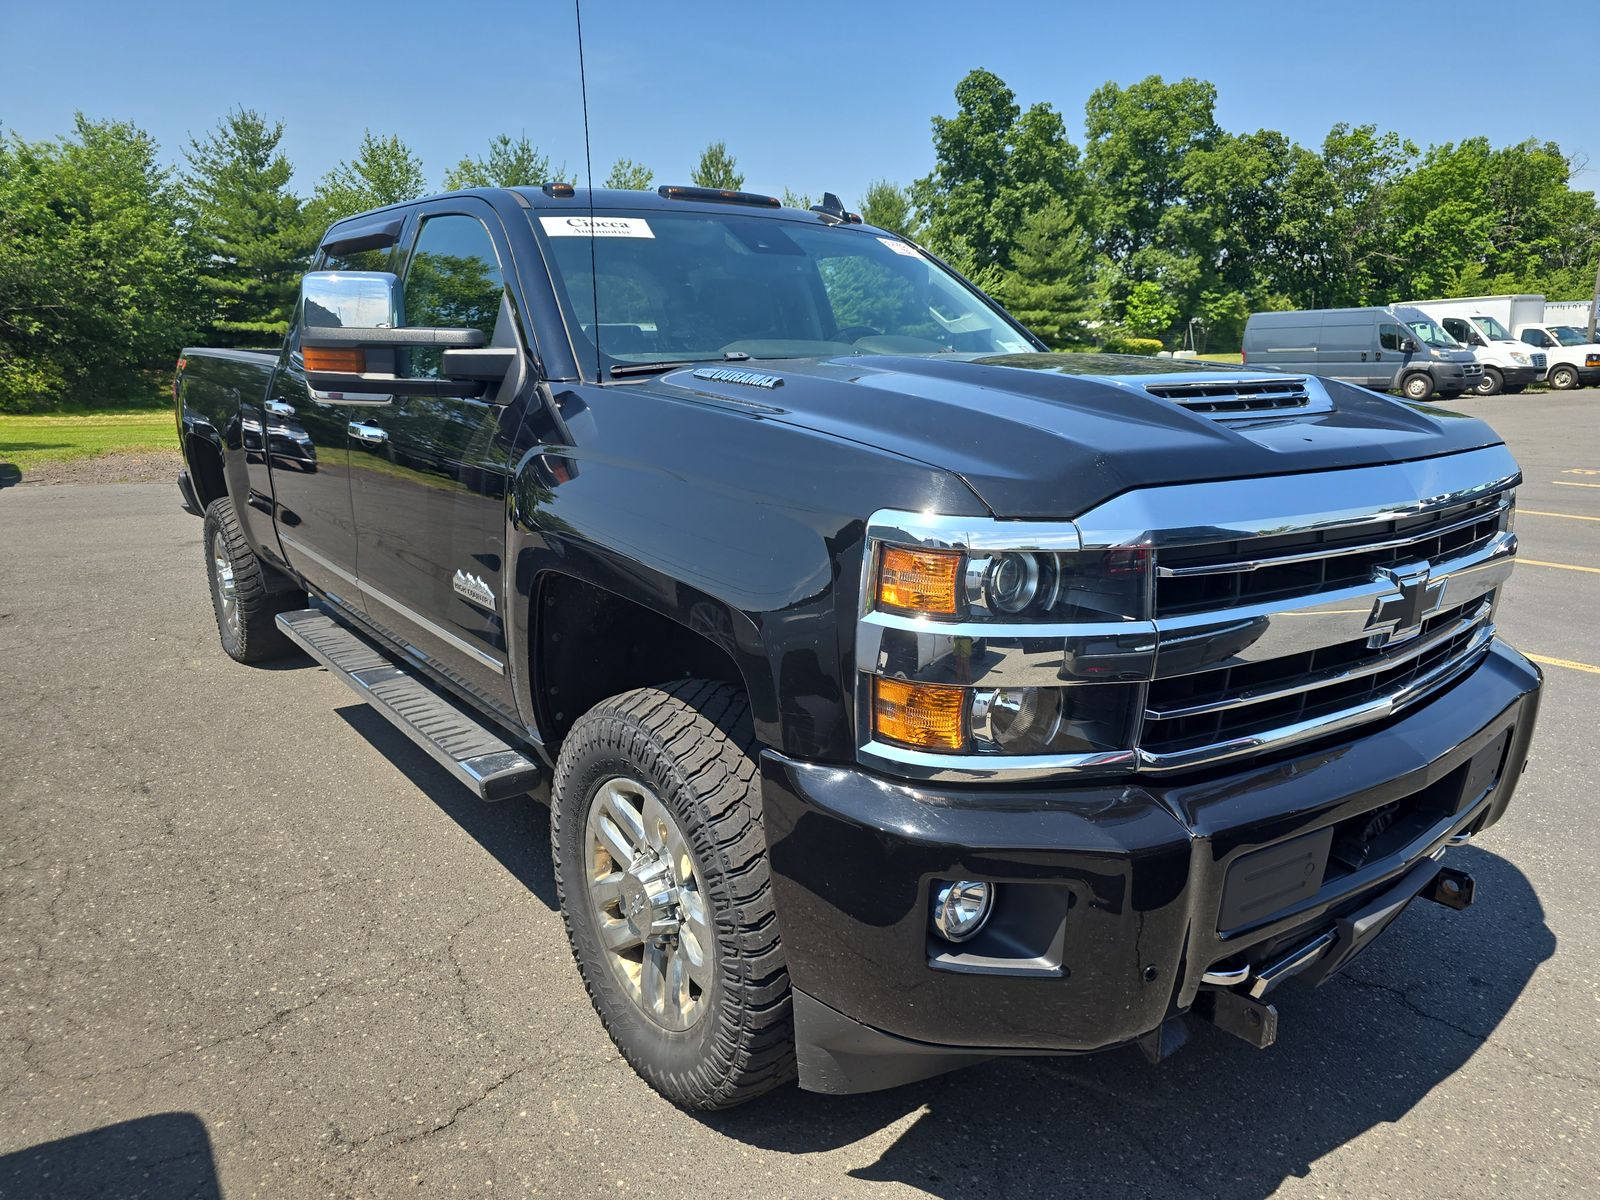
648 904
227 588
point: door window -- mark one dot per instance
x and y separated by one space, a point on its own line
1537 337
1391 337
453 281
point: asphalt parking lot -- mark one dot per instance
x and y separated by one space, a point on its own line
253 943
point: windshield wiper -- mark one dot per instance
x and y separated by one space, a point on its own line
670 364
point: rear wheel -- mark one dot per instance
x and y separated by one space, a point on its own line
1563 378
661 866
246 611
1491 384
1417 386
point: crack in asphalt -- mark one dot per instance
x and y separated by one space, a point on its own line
1401 995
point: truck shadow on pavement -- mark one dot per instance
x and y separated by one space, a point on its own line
516 832
151 1158
1220 1118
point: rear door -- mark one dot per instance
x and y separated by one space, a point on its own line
429 473
306 441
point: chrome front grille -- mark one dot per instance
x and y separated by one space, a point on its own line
1192 579
1308 605
1212 710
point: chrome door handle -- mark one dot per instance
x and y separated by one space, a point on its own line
369 434
278 408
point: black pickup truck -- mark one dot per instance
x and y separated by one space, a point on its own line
904 695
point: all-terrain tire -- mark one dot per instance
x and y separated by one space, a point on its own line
1417 386
250 634
693 745
1491 384
1563 378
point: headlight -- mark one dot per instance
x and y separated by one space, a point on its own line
1013 585
942 718
1518 357
1435 354
986 645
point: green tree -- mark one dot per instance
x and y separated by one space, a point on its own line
629 175
97 284
888 206
508 164
993 165
246 226
384 171
1150 311
1048 285
793 199
1470 216
717 169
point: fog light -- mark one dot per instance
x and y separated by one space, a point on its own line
960 909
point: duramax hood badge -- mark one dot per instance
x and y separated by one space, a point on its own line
473 589
734 375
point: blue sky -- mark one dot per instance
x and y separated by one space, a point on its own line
807 95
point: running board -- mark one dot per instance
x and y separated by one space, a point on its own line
460 743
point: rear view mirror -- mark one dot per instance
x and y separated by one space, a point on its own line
351 345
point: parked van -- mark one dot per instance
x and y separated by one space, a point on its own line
1397 349
1508 365
1574 359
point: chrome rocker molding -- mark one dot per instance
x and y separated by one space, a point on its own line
383 598
977 653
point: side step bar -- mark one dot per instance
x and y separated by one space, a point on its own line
459 742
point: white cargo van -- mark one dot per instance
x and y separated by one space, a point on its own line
1508 364
1574 359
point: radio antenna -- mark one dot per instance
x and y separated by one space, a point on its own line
588 175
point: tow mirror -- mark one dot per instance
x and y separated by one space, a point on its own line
353 349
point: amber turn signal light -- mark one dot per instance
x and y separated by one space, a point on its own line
349 360
919 580
926 715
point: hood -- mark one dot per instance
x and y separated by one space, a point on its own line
1051 435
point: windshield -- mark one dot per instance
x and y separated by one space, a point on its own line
1493 330
695 286
1568 336
1431 335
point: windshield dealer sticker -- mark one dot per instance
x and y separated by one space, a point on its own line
900 247
629 227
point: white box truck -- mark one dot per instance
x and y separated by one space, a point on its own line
1483 324
1568 312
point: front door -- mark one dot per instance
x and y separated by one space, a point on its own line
429 473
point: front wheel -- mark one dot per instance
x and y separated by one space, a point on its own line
1563 378
1417 386
1491 384
661 867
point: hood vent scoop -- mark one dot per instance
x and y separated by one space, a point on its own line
1234 399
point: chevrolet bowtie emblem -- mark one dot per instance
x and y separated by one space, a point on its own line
1397 615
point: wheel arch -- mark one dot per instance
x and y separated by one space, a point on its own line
586 642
